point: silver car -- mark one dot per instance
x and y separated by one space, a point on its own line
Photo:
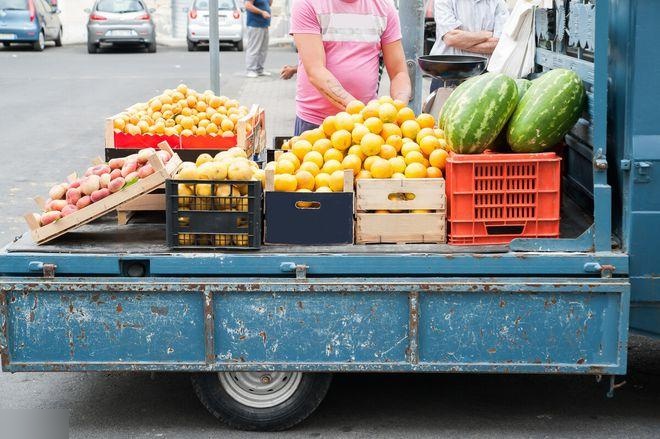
120 22
230 23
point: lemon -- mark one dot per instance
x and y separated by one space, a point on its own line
333 154
358 133
310 167
371 144
410 129
291 157
341 139
284 167
354 107
305 180
285 183
381 168
322 179
415 170
374 124
352 162
398 164
337 181
314 157
438 158
322 145
387 112
300 148
331 166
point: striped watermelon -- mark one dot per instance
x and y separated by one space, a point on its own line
448 106
523 85
480 112
549 109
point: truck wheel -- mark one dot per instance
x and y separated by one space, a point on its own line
262 401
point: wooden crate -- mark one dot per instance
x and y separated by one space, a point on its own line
153 202
43 234
396 199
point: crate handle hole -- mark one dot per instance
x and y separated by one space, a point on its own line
505 230
401 196
308 205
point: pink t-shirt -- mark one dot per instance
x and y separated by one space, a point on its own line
353 32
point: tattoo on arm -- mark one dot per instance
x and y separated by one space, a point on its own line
336 93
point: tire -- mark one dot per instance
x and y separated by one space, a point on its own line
58 40
239 46
192 46
92 48
40 44
6 44
292 398
152 47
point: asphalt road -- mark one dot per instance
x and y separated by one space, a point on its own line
53 107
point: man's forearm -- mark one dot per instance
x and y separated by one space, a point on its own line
487 47
400 87
326 83
461 39
252 8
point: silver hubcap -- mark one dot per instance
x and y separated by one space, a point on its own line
260 389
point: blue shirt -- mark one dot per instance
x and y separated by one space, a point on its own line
256 20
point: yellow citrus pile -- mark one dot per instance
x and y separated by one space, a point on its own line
184 112
382 139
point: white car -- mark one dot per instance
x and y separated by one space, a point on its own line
230 23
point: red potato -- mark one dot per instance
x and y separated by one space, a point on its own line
116 163
58 191
73 195
129 166
145 171
50 217
105 180
132 178
68 210
116 185
91 184
101 169
99 195
144 154
164 156
84 202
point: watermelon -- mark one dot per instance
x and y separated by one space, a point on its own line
549 109
499 144
523 85
448 106
480 112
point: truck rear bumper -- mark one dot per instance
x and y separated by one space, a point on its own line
515 325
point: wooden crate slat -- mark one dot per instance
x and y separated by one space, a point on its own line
372 194
400 228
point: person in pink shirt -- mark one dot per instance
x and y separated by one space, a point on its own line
339 44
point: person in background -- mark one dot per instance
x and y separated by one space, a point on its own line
467 27
339 43
258 22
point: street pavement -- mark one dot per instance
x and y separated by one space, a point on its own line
53 109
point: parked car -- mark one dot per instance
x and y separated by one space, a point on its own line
30 21
120 22
230 22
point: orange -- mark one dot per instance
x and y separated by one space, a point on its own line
428 144
305 180
341 140
344 121
355 149
438 158
387 112
399 104
333 154
322 145
439 132
395 141
414 156
408 147
331 166
369 161
381 168
433 172
352 162
354 107
415 170
290 157
284 167
323 189
390 129
363 174
187 122
300 148
404 114
387 151
310 167
443 144
227 124
398 164
374 124
371 144
384 99
321 179
425 120
285 183
371 110
337 181
358 133
329 125
410 128
357 118
398 176
313 135
315 157
423 133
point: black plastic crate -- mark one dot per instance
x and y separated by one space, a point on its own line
316 218
278 141
223 220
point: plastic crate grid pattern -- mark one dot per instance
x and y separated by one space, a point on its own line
494 198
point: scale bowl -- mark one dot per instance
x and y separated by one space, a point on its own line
452 67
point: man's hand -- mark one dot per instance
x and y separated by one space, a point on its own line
265 14
288 72
486 48
464 40
395 63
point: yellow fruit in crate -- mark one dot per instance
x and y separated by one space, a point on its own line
260 175
222 240
390 129
398 176
310 167
314 157
329 125
354 107
363 174
358 133
385 99
304 203
395 141
387 151
344 121
300 148
399 104
323 189
429 144
438 158
305 180
240 171
284 167
341 140
331 166
352 162
415 170
223 191
374 125
337 181
439 133
187 122
285 183
237 151
381 168
187 173
355 150
227 124
443 144
322 179
322 145
212 128
184 191
414 157
313 135
200 131
410 129
370 144
368 162
425 120
424 132
203 189
433 172
398 164
357 118
290 157
409 147
333 154
387 112
203 158
119 124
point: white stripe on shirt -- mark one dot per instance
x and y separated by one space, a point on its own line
362 28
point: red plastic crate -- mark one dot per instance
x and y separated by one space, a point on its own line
494 198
